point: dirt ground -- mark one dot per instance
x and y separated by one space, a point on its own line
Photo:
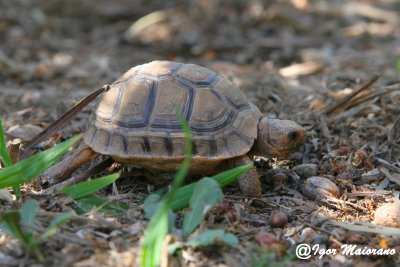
301 60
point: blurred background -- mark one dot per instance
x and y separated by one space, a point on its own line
295 59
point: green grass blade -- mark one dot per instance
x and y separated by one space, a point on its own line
231 175
28 212
151 204
397 65
28 169
10 224
87 188
6 157
154 237
3 148
158 225
183 170
88 203
210 237
182 196
206 193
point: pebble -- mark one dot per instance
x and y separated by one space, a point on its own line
279 179
265 238
317 188
343 150
306 170
278 219
388 215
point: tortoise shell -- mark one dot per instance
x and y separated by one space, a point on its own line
137 118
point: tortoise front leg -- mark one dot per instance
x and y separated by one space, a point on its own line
249 182
72 161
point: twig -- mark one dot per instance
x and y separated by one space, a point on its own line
388 165
361 99
65 118
392 177
353 111
393 134
318 228
366 227
324 127
365 86
369 194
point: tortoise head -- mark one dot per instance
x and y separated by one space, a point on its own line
278 138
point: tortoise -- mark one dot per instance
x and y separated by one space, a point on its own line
136 122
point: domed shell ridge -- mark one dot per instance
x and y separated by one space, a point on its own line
137 117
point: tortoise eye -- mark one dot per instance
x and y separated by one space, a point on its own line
293 136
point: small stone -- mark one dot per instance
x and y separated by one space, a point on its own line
265 238
317 188
343 150
306 170
388 215
279 179
278 219
297 156
343 176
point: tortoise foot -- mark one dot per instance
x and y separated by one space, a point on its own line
249 183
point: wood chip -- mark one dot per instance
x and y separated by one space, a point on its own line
301 69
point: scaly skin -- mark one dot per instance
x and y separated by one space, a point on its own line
249 183
72 161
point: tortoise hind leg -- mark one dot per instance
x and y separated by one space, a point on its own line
72 161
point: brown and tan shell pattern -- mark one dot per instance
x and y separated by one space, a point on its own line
137 118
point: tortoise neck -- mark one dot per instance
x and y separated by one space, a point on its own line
260 147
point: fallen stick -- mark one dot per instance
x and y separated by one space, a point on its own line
394 133
60 122
365 86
